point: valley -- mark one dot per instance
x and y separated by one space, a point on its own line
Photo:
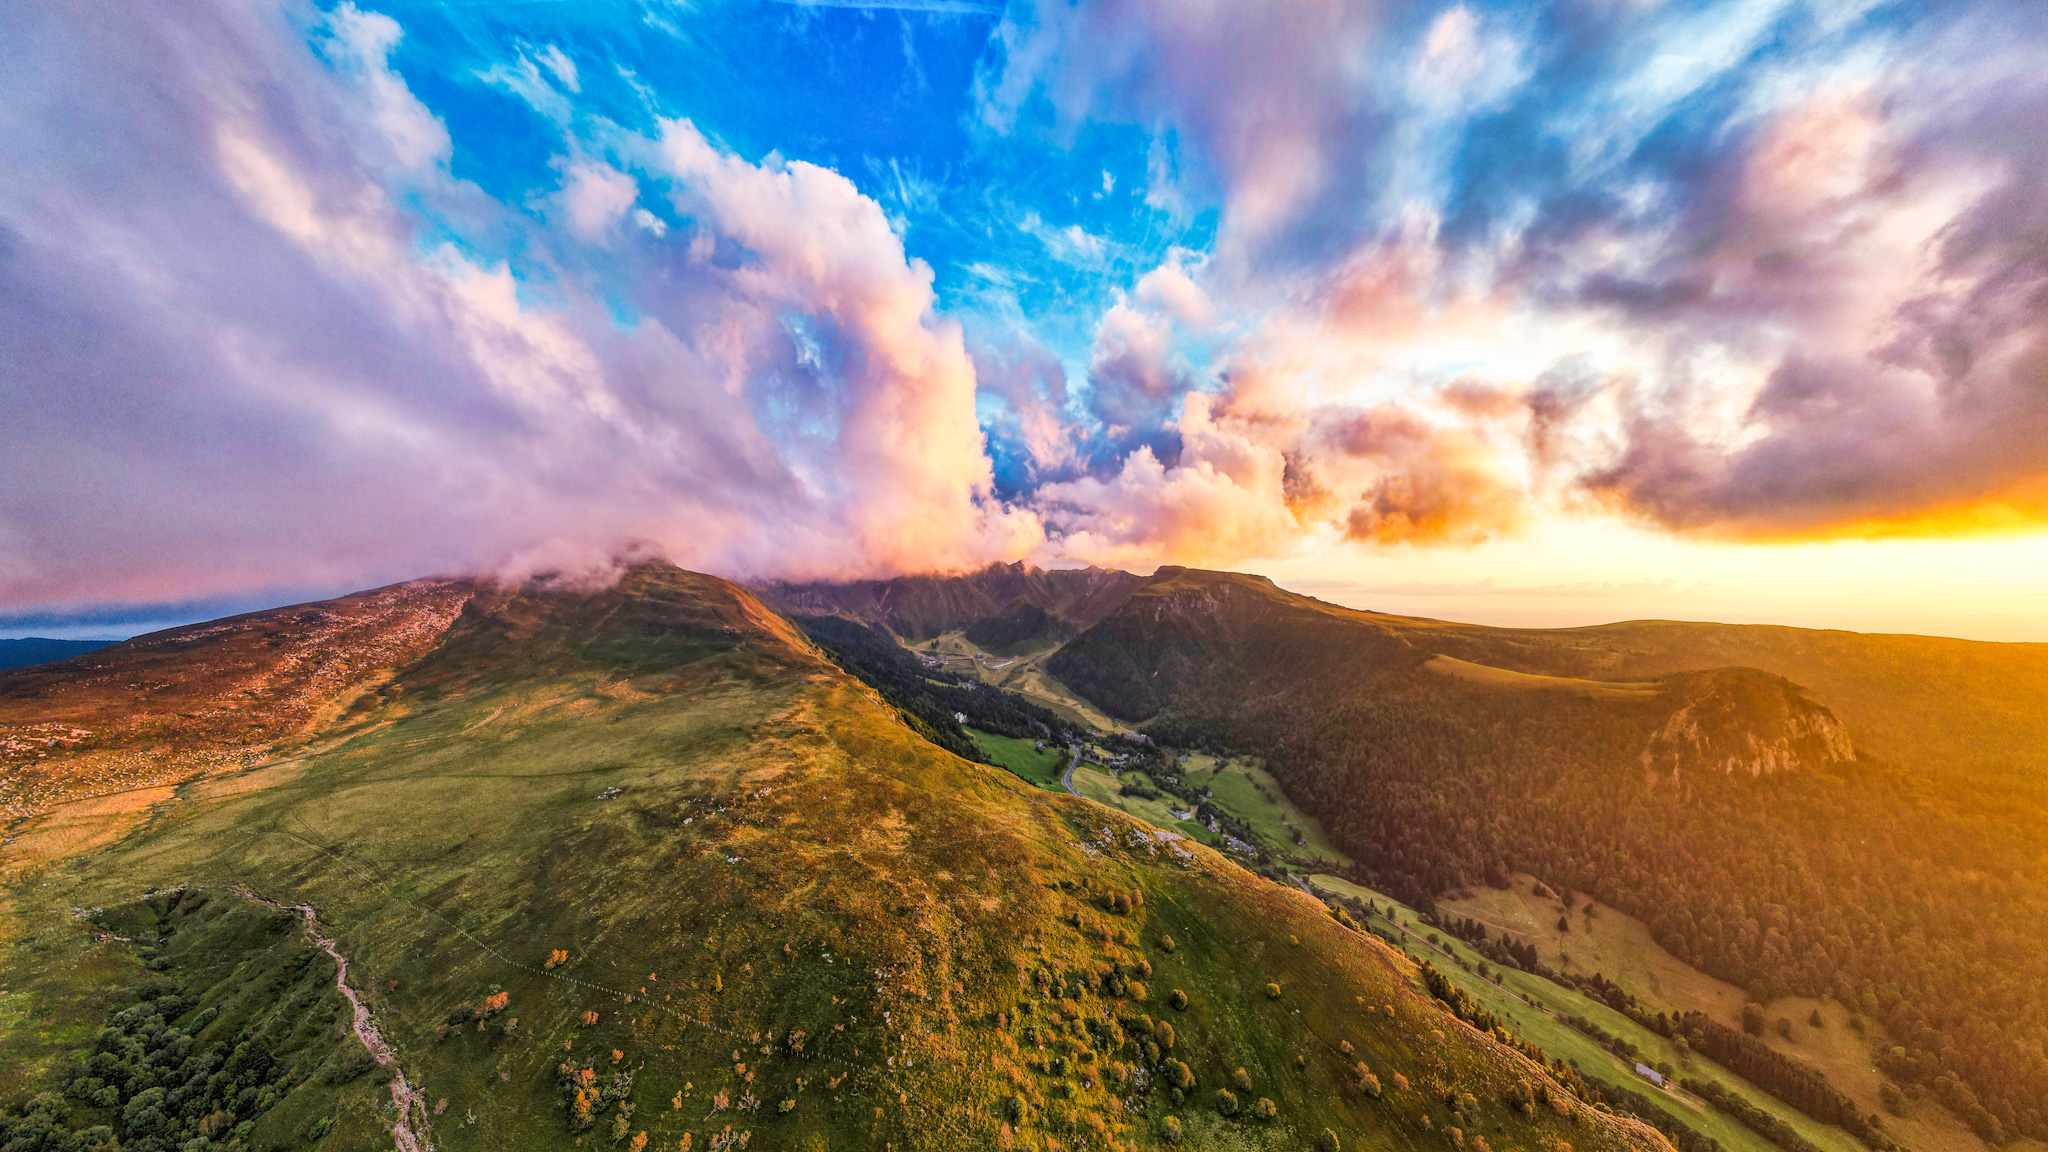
636 866
507 804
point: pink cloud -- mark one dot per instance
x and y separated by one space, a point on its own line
284 387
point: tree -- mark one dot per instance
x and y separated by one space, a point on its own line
1815 1019
1753 1019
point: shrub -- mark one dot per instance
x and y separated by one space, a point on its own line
1137 990
1162 1032
1344 1046
1169 1130
1242 1079
1182 1076
1178 999
1400 1082
1265 1109
1328 1142
1370 1085
350 1067
1166 942
1753 1019
1226 1102
557 957
1272 991
1894 1100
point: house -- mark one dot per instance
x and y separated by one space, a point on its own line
960 716
1650 1074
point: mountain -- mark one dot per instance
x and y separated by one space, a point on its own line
920 607
461 866
1757 823
36 650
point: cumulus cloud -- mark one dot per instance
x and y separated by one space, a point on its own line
230 359
1224 498
1405 275
1750 270
596 196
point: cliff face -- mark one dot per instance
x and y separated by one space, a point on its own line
1735 720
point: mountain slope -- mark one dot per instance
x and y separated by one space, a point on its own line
920 607
1720 805
638 860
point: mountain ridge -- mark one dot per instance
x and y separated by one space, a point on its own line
846 934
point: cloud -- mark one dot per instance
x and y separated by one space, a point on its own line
237 353
1276 98
596 197
1224 499
1420 276
1748 270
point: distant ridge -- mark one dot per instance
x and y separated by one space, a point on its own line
920 607
39 650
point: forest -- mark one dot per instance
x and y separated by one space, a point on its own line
1919 901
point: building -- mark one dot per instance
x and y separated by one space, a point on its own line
1650 1074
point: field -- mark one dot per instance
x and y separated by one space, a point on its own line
1504 678
1533 1004
1024 675
1100 785
649 844
1620 948
1248 792
1041 766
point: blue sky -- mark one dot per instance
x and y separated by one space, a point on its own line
303 297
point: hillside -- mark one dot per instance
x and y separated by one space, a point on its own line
921 607
635 867
1727 807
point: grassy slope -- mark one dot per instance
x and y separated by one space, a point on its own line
1023 674
1511 998
1620 948
1250 793
1100 785
252 966
1503 678
783 857
1041 766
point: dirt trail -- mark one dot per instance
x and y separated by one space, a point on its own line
404 1096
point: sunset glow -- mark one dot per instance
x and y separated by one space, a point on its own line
1721 308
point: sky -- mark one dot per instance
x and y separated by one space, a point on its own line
1531 313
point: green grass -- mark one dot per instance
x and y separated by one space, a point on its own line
1622 949
1510 998
1251 794
1041 766
789 898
